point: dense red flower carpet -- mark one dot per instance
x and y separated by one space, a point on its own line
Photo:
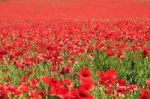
74 9
74 49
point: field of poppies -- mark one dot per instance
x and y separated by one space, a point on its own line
75 59
60 50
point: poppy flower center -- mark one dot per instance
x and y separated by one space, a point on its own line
82 94
85 75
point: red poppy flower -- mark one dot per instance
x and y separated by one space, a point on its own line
23 88
3 53
54 68
45 79
146 52
144 94
53 82
13 88
108 91
148 83
19 65
84 94
120 91
73 94
34 83
85 75
120 55
131 88
52 91
61 91
88 85
109 52
66 69
33 94
67 82
42 93
17 93
24 79
107 77
121 83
